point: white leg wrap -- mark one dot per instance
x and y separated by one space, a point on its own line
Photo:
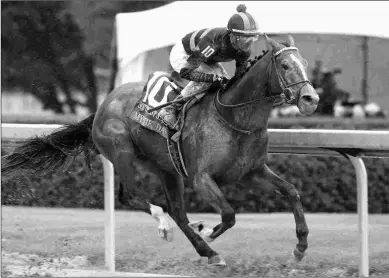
165 228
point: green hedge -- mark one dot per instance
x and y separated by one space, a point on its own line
326 184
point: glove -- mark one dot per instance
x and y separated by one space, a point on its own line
221 79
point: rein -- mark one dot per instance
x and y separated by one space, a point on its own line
286 94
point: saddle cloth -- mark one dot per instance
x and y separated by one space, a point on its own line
159 89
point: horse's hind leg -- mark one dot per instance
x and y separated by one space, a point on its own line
115 144
165 227
129 194
134 197
174 190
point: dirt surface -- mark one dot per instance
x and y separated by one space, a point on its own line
70 242
19 265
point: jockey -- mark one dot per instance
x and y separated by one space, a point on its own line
198 55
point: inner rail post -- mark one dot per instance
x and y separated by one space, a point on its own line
363 213
109 208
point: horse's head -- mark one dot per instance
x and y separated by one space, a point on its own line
291 70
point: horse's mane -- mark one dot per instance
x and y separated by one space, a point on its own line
253 61
250 64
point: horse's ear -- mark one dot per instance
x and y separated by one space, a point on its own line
289 40
271 44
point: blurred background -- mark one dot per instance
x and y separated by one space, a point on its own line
57 67
55 55
56 61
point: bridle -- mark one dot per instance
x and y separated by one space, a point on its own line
286 94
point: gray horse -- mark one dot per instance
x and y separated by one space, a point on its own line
224 141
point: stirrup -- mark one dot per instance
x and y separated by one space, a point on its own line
176 136
174 126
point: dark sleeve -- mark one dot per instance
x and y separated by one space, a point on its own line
192 74
241 63
206 48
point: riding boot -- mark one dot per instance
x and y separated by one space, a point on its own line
169 113
193 87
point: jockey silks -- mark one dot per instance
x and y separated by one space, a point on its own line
211 46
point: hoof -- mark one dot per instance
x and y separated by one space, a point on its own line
217 260
166 234
298 255
202 230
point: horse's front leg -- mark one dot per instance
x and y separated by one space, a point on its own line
265 177
207 188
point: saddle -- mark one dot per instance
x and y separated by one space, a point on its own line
159 89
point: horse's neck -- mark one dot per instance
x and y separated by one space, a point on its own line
252 86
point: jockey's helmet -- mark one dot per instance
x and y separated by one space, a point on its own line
242 23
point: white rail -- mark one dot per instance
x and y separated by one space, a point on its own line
354 144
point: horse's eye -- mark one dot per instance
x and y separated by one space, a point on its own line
285 66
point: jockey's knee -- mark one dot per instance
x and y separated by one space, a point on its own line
178 57
206 69
221 72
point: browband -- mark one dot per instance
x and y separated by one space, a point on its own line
284 49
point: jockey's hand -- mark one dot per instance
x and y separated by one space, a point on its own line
222 80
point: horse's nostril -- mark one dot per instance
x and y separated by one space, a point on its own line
308 99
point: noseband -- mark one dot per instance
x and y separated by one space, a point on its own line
286 94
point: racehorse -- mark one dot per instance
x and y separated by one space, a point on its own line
224 141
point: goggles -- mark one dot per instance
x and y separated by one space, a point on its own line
246 39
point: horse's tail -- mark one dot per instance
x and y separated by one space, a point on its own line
47 153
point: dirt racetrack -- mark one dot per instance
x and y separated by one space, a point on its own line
65 242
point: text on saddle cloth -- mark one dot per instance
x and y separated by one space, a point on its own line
149 120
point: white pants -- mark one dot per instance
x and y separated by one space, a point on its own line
179 60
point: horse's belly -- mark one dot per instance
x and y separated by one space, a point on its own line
232 163
234 172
